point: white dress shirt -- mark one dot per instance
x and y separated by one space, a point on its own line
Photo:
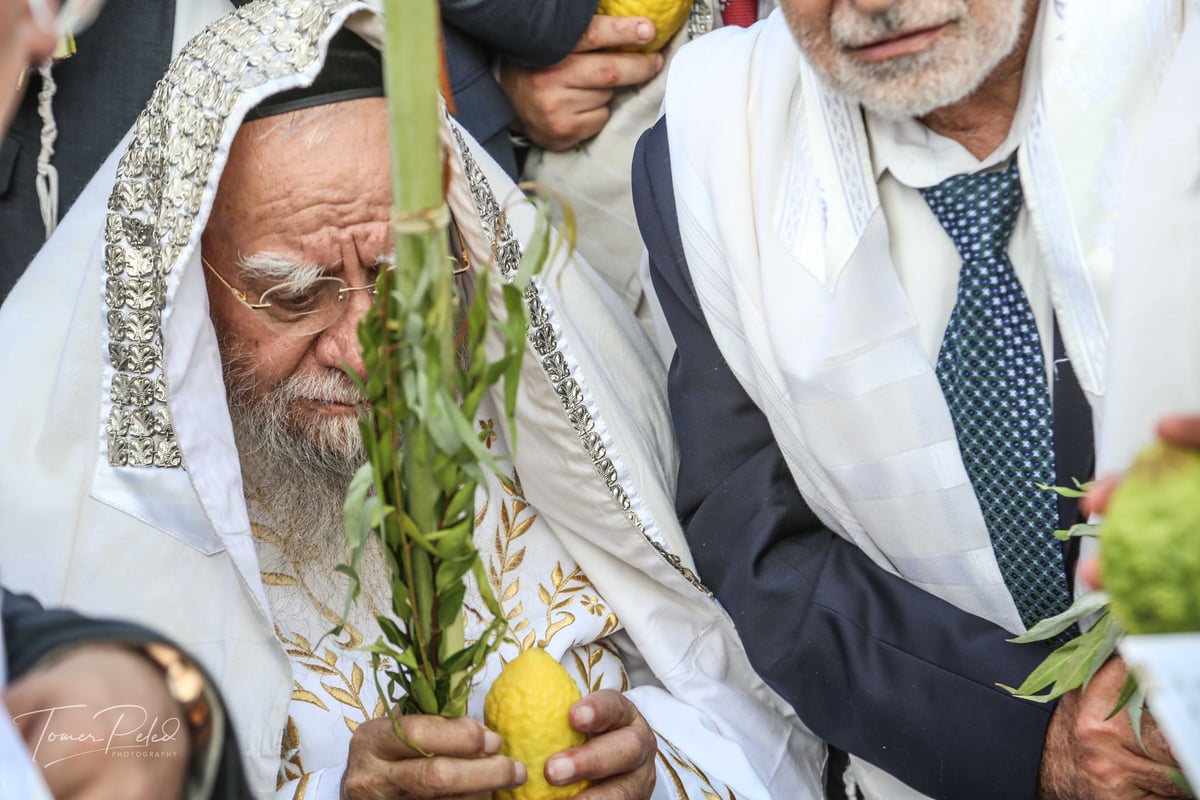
907 157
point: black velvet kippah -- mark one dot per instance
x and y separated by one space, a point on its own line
353 69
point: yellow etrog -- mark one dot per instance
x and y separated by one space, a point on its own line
668 17
527 705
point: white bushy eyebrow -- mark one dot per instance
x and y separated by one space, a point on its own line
273 267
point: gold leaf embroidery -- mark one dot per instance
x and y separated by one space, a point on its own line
356 678
305 696
343 697
676 781
291 765
668 752
321 669
566 619
514 560
278 579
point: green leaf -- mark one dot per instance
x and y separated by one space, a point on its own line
422 694
462 502
1085 605
459 661
486 593
450 573
1077 530
1108 645
1046 673
1127 692
450 604
1080 490
1135 706
1082 663
422 593
468 437
393 632
1180 780
357 523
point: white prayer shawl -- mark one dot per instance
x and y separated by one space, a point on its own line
121 485
788 249
1156 285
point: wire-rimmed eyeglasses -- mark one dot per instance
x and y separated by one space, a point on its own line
63 17
300 307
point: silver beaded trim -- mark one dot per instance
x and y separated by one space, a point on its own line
700 19
506 250
161 181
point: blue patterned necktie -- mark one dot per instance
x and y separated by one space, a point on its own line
993 375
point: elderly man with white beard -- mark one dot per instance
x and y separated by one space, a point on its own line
881 234
181 444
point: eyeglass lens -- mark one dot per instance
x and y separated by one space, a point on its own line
298 309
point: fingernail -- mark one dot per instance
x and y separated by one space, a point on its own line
645 31
519 774
584 716
659 61
491 742
559 770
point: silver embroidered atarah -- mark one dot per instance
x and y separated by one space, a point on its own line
160 183
506 249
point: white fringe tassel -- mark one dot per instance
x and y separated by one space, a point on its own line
47 175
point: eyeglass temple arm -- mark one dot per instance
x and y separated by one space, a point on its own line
238 293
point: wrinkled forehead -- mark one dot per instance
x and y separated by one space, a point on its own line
313 186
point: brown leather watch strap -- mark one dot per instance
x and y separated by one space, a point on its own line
186 685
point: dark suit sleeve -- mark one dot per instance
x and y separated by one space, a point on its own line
872 664
31 633
532 34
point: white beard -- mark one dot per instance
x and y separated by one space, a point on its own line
297 473
914 86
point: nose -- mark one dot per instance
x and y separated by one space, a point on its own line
337 346
872 7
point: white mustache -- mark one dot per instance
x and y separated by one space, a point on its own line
327 387
850 30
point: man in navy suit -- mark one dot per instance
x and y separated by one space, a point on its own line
790 200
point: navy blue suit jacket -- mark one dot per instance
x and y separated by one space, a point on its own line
872 664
